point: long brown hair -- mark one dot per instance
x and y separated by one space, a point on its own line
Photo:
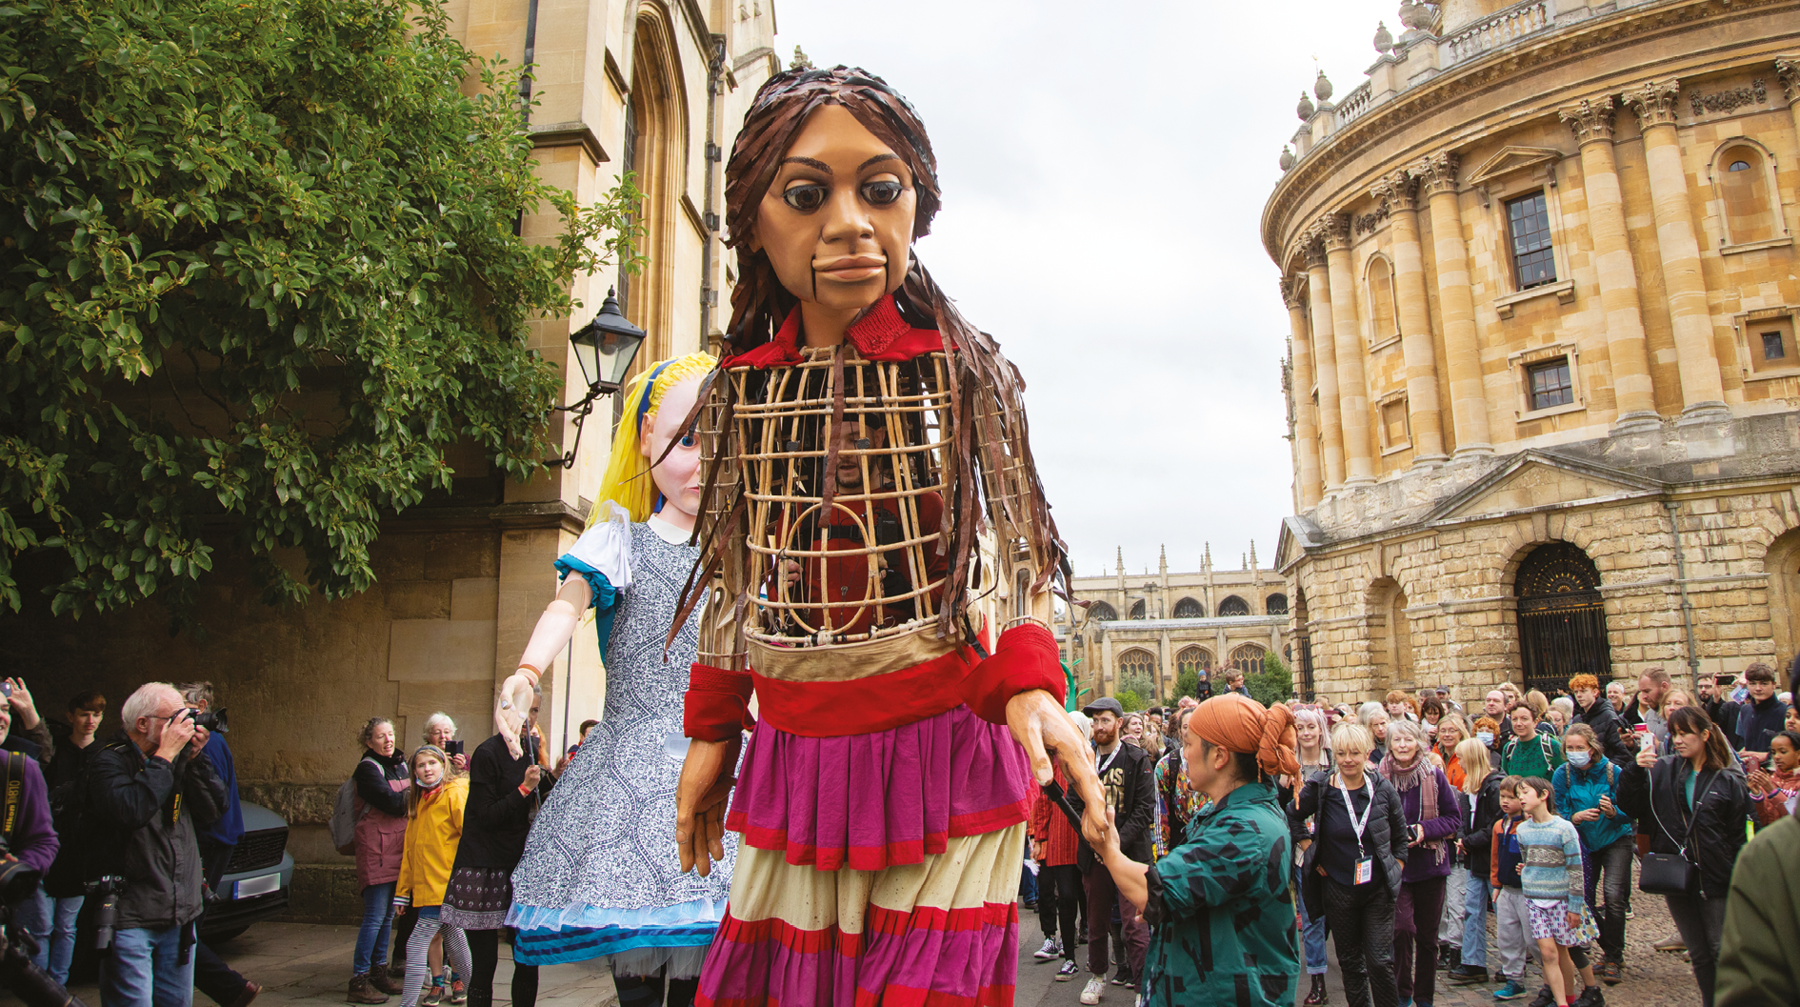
759 303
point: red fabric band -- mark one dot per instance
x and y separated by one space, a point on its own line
865 705
1026 658
717 704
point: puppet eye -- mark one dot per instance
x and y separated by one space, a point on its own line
881 193
689 441
805 198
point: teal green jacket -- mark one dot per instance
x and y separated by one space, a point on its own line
1222 911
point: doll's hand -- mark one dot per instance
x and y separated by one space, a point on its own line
511 707
700 802
1040 724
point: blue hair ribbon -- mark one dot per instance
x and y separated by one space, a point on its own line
644 409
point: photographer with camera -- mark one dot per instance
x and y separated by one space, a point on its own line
31 837
149 789
212 976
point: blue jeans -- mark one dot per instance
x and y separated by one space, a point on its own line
1475 908
378 916
32 915
53 954
1312 940
143 970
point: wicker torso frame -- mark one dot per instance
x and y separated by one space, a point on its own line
807 568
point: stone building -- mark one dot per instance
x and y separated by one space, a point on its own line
1543 382
657 87
1158 625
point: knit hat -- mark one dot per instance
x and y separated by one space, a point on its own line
1240 724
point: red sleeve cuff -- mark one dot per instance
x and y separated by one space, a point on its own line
1025 658
717 704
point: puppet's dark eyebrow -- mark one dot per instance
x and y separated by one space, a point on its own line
809 162
877 159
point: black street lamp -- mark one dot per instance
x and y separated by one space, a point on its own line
605 349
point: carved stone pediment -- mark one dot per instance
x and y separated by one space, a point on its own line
1298 534
1536 480
1511 160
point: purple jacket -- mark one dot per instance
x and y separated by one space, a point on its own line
1420 864
34 839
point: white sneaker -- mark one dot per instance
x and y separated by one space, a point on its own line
1050 950
1095 987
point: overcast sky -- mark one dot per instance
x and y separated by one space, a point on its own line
1104 171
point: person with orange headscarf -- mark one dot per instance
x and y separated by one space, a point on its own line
1220 906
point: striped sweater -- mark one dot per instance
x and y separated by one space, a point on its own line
1551 855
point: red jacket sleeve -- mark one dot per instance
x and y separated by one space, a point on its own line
717 704
1026 657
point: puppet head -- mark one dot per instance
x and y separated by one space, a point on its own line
764 154
635 480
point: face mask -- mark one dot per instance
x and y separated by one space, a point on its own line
1580 759
1485 737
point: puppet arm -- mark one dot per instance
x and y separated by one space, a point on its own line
554 629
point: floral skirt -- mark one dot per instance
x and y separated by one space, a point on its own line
477 898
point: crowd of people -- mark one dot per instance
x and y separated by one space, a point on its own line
1409 822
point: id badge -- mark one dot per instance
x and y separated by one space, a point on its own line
1365 870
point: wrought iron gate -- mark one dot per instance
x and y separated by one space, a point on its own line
1562 618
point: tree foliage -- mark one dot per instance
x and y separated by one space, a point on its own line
1187 683
258 271
1273 684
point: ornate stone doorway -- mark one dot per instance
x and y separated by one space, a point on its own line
1562 619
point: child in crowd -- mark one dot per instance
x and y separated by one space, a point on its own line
1552 880
1512 917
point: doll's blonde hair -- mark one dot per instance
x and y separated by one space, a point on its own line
627 483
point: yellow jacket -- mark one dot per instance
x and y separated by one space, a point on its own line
431 839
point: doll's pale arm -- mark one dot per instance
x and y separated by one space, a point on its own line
553 632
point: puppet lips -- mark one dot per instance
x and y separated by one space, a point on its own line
852 267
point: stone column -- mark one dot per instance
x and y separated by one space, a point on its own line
1353 389
1331 431
1456 304
1702 392
1306 422
1788 69
1592 124
1401 193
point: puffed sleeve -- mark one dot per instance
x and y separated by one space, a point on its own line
602 556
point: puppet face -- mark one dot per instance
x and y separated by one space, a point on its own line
837 222
677 477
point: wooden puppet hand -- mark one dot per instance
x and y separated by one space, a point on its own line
1040 724
700 803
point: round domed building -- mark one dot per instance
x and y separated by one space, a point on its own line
1544 390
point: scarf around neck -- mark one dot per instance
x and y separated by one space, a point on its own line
1418 775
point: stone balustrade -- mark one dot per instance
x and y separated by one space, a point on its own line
1496 31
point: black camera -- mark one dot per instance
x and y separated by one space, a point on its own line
103 892
17 974
212 720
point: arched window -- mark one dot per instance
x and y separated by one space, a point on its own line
1233 606
1137 609
1197 659
1277 604
1102 612
1135 662
1742 179
1381 301
654 149
1390 633
1248 658
1562 617
1188 608
1022 594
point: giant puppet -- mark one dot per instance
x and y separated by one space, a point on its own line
600 878
867 477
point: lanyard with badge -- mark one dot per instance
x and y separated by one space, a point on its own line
1365 866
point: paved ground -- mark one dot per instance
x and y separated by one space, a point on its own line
304 964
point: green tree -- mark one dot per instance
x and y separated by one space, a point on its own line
1188 683
1128 698
258 272
1273 684
1142 689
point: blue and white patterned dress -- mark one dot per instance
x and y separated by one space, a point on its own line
600 875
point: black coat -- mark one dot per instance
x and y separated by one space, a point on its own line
1130 782
1386 834
497 818
1478 839
1608 728
149 836
1657 799
1767 719
64 778
373 771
